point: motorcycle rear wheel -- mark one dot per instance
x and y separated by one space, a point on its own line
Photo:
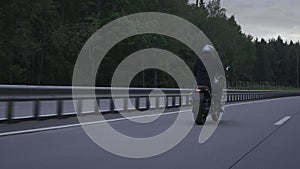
202 116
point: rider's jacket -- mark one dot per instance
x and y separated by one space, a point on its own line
201 74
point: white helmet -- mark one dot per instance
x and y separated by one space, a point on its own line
208 49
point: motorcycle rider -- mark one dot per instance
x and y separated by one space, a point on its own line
202 78
200 71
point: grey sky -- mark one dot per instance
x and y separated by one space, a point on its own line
266 18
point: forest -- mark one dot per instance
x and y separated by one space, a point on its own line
41 39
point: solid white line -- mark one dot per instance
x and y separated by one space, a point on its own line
282 121
22 117
70 113
88 123
48 115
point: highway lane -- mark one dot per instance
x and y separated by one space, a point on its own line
246 138
280 150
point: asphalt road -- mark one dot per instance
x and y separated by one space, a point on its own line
247 137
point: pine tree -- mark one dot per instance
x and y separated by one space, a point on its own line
197 3
202 4
215 10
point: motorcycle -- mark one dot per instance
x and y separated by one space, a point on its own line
202 102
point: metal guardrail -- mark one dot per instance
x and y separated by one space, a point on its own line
171 98
251 95
38 94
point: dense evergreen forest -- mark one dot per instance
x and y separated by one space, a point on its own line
41 39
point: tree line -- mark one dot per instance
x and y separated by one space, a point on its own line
40 42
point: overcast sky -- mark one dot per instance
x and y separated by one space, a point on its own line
266 18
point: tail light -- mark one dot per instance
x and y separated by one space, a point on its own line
198 90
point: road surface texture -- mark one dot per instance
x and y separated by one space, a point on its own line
260 135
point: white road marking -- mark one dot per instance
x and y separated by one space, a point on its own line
282 121
22 117
47 115
70 113
88 123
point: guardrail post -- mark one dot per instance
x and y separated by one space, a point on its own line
36 109
99 105
79 106
167 101
59 108
173 101
180 101
10 110
147 103
157 98
125 104
187 100
137 103
96 107
111 105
